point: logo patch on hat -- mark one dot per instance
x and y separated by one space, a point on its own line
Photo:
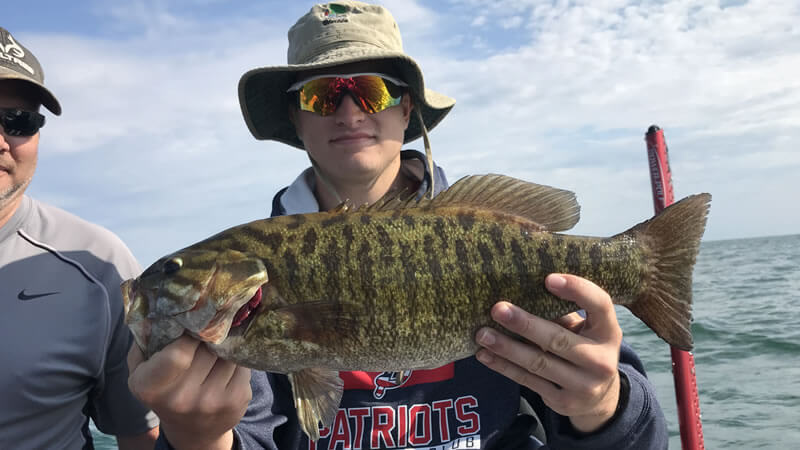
335 13
13 52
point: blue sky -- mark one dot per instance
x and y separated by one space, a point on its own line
152 145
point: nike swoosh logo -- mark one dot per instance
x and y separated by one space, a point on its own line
25 296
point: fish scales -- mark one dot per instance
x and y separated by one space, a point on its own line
425 281
404 284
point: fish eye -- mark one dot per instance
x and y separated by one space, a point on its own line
173 265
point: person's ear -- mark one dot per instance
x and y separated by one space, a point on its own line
408 106
292 111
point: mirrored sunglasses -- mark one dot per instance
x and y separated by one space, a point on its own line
18 122
372 92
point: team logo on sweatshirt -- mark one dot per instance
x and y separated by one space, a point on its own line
381 382
389 380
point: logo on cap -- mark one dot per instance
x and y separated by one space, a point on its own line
335 13
13 52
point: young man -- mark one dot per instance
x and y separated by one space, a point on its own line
61 319
350 98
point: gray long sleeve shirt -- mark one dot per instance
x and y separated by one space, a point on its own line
63 340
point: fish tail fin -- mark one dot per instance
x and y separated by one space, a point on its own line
673 237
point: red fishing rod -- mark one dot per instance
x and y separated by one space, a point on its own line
683 371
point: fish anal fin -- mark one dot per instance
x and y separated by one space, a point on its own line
317 394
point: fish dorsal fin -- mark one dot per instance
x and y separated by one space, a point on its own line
342 207
551 208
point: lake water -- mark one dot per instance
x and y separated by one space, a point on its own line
747 346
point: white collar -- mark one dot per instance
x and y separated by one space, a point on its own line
299 197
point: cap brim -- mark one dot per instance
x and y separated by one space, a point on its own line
263 99
49 100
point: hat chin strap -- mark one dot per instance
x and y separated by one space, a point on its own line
428 154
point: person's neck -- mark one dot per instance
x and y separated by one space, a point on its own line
7 210
361 192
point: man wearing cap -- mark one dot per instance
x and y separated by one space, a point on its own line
350 97
61 320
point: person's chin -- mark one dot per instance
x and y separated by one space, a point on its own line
358 163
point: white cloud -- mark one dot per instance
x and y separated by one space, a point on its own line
478 21
721 81
573 74
412 16
512 22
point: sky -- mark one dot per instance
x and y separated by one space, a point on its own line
152 145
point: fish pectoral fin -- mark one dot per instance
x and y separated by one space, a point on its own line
317 394
319 321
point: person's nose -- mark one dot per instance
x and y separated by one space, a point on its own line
348 113
4 144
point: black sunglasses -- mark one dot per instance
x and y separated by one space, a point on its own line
17 122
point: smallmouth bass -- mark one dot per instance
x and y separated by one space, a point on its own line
404 284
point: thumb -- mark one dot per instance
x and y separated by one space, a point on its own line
135 357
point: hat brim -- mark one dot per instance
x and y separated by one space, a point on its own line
48 99
264 103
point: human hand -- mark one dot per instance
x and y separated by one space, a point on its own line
197 396
571 362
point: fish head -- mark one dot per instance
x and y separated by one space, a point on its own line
200 292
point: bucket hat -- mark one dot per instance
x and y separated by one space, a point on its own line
330 35
18 63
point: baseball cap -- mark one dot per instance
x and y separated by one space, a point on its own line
19 63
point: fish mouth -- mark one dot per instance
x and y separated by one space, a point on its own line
246 313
